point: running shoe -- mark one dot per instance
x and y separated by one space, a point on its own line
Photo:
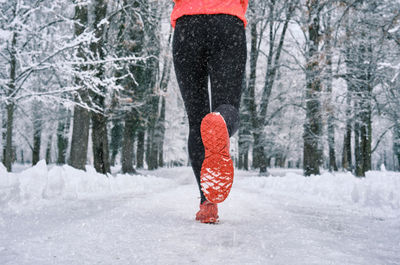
208 213
216 176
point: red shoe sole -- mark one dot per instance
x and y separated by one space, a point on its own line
216 176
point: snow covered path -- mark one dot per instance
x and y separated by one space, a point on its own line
158 228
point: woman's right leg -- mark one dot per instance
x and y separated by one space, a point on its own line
190 62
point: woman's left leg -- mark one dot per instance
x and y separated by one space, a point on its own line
227 64
226 46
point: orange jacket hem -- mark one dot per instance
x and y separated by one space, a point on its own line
205 7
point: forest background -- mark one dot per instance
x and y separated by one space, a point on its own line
92 82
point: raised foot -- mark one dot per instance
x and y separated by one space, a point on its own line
216 176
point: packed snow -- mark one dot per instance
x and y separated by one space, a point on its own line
59 215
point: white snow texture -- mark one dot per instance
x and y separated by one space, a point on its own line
60 215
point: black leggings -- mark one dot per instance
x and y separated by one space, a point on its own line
209 46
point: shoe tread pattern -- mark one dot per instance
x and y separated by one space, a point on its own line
217 170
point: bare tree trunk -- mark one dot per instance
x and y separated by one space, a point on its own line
81 120
368 161
100 143
99 120
363 129
48 150
116 137
148 146
250 109
364 148
37 133
127 146
3 134
244 129
8 156
161 133
62 136
152 144
140 147
366 134
346 158
152 141
312 126
367 145
396 143
357 151
259 152
330 108
80 138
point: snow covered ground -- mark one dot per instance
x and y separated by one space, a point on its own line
59 215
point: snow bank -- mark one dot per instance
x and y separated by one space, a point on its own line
64 182
379 189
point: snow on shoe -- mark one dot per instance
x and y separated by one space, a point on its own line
208 213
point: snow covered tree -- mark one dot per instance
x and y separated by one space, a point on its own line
312 153
330 111
363 52
99 120
271 18
31 43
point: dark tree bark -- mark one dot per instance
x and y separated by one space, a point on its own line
116 140
248 108
357 151
62 136
37 133
99 120
127 146
100 144
148 146
22 157
330 108
396 144
3 134
8 156
161 133
48 151
346 156
81 119
80 138
312 156
140 147
152 118
152 146
244 133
